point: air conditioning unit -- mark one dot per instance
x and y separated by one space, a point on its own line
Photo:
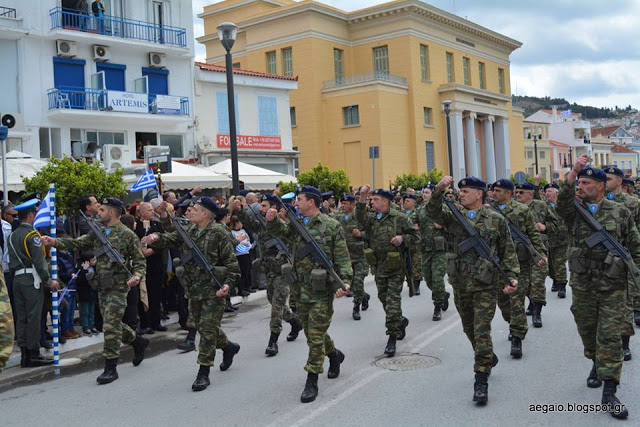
116 156
12 121
156 60
101 53
66 48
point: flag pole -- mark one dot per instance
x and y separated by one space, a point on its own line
54 276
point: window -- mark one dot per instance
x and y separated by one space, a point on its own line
481 75
158 80
114 75
294 120
381 60
102 138
622 165
223 113
236 65
174 142
501 87
424 62
271 63
337 63
542 154
431 156
296 163
351 115
529 154
466 67
530 171
428 114
268 115
287 62
450 70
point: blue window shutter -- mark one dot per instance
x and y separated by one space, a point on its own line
114 75
223 113
158 80
268 116
68 72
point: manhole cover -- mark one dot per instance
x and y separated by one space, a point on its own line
406 362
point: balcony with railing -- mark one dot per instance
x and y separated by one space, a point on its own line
362 79
73 98
8 12
113 26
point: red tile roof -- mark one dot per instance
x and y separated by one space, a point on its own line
604 131
617 148
557 143
239 71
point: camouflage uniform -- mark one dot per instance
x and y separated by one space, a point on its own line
598 304
512 306
557 234
205 308
6 323
356 252
416 253
434 245
315 305
475 295
537 291
112 281
389 261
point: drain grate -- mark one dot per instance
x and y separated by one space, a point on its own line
407 362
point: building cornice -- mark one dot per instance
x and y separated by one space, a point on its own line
235 6
457 87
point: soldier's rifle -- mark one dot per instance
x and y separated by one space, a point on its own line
519 236
276 242
106 248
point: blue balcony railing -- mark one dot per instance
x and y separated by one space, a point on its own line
70 19
79 98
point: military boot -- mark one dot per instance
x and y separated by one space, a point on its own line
437 313
445 303
110 374
227 355
356 311
529 311
202 379
272 347
592 379
616 409
636 317
481 388
296 327
139 346
562 291
554 287
416 287
24 354
189 343
403 331
336 357
495 360
35 359
625 348
365 302
536 318
516 347
390 349
310 391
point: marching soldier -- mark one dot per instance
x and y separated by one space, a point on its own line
557 233
28 263
206 301
390 234
598 278
475 279
113 283
355 243
409 206
512 307
315 303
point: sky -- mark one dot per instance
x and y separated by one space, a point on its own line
586 51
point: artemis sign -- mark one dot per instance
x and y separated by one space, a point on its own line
128 101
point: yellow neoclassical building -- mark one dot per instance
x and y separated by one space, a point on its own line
377 77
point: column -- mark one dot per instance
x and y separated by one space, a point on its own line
457 146
470 145
503 158
489 150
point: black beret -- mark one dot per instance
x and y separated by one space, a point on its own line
327 195
627 182
208 204
313 191
244 192
472 182
114 203
526 186
593 173
638 179
270 198
383 193
504 184
410 196
551 185
186 203
348 198
613 170
429 186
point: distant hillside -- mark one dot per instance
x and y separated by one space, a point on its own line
531 104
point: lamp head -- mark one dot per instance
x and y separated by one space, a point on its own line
446 105
227 32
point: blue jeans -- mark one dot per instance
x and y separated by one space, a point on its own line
87 314
67 313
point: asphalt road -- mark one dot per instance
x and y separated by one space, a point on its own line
429 382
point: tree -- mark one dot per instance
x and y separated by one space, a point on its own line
412 180
322 178
287 187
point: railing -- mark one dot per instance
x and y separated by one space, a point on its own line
78 98
7 12
71 19
364 78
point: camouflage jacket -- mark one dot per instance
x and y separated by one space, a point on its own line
464 269
355 244
381 228
215 243
542 214
556 232
432 235
26 251
587 266
330 236
270 258
521 216
108 273
629 202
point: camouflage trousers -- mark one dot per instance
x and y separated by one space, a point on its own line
360 271
28 302
537 291
206 315
113 303
6 324
598 316
627 323
558 265
389 294
278 296
476 309
512 306
316 318
434 267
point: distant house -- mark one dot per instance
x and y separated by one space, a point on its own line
614 134
625 158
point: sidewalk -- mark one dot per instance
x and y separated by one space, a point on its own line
85 353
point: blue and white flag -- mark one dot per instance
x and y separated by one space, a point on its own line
243 249
146 181
565 113
43 216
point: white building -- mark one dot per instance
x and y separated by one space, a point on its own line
566 127
263 118
77 82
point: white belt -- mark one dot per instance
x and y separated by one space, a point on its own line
23 271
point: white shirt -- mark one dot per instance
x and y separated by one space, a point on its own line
6 231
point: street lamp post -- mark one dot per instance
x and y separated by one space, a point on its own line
570 156
4 133
446 106
227 32
535 150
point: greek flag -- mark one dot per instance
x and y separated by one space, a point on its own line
565 113
43 216
146 181
242 249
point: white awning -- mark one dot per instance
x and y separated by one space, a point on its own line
185 177
253 177
19 165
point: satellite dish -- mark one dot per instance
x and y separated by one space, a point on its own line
520 177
